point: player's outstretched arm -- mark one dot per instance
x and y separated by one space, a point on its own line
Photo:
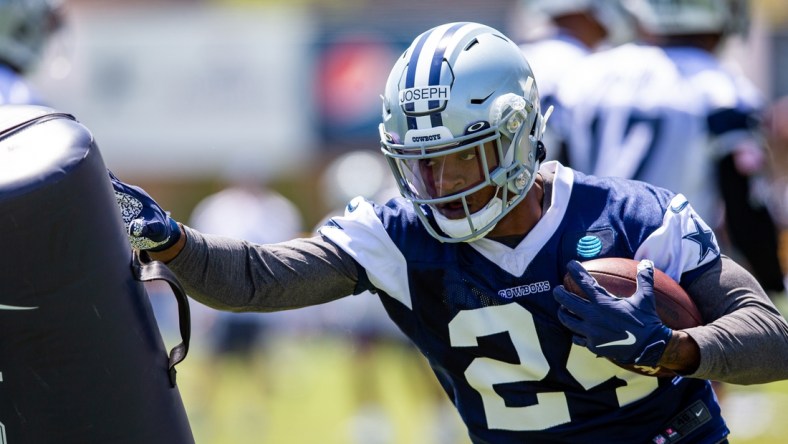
234 275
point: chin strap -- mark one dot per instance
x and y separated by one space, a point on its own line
461 228
541 151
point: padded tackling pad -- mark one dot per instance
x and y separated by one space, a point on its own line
81 356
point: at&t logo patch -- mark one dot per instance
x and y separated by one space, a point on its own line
589 246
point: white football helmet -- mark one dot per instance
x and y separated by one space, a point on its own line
681 17
555 8
462 98
25 27
608 13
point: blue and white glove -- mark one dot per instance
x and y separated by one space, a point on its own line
626 330
148 226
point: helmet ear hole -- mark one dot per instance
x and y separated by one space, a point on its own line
541 151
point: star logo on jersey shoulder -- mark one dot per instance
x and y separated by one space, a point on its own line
704 239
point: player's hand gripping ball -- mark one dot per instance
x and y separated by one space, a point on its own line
624 310
148 226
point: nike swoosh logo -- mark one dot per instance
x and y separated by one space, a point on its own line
13 307
629 340
698 412
679 208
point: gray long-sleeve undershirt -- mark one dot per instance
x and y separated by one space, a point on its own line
747 343
235 275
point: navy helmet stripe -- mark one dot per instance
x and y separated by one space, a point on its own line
431 56
435 69
410 77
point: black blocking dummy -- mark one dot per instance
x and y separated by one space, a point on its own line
81 356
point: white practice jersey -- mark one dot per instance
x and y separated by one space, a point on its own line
551 58
662 115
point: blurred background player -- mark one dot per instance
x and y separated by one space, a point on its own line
558 33
668 111
26 26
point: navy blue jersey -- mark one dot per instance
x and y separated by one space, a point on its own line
484 315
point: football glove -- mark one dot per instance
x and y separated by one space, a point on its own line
626 330
147 225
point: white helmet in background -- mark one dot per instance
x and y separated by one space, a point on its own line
682 17
25 27
555 8
608 13
462 92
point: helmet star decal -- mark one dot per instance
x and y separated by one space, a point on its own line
704 238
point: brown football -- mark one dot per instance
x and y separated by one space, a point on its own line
619 277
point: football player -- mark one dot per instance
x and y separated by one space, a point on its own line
666 110
25 28
469 265
558 33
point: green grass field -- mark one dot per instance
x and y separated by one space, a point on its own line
755 413
317 390
323 390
